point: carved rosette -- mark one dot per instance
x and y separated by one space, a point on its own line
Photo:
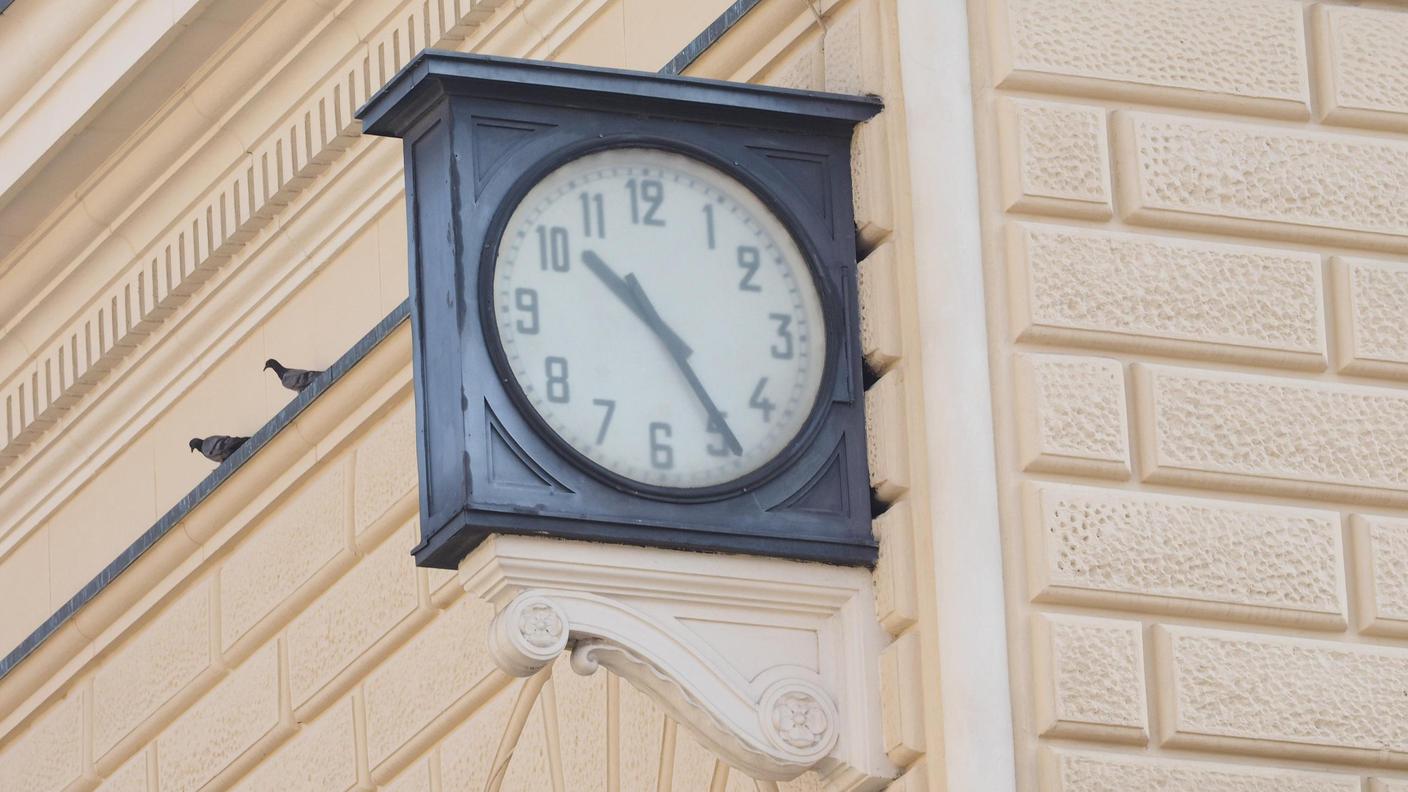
528 635
798 718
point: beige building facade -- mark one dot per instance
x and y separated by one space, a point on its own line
1134 296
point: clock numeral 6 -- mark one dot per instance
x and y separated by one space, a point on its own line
783 323
527 301
651 193
553 251
662 456
558 389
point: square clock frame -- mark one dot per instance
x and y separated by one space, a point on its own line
478 133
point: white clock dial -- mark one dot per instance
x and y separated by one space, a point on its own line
659 318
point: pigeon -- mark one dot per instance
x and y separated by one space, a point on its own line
292 378
217 448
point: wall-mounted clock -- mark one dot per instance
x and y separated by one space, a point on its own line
634 309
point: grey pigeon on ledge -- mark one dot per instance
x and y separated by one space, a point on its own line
292 378
217 448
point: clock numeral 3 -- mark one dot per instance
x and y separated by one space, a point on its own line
760 402
527 301
651 193
553 249
715 427
610 405
748 260
783 323
594 208
558 389
662 456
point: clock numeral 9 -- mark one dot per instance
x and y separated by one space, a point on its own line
783 323
651 193
558 390
553 251
593 207
527 301
662 456
749 261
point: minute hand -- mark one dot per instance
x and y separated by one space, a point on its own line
680 352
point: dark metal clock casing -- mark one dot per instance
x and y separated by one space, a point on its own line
478 133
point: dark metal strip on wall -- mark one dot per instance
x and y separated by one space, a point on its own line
259 439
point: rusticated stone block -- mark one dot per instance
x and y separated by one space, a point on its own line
1169 554
173 653
290 553
1387 785
896 583
415 778
1181 297
217 734
367 603
130 777
322 756
1294 436
887 436
1362 59
1260 180
1381 573
1072 415
880 331
1282 696
386 465
902 699
1371 309
1083 771
1089 678
1055 159
49 755
1240 55
426 676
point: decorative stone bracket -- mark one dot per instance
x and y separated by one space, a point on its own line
772 664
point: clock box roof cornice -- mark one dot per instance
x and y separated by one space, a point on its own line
402 100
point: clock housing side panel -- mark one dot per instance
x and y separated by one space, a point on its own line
520 479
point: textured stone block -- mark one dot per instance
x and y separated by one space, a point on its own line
887 436
902 699
321 756
427 676
1282 696
173 653
1261 180
216 735
1185 556
386 465
367 603
1387 785
896 581
1082 771
1071 411
872 199
49 755
291 553
1135 292
1362 65
1055 158
1294 436
1371 314
1241 55
130 777
880 330
1089 676
1381 574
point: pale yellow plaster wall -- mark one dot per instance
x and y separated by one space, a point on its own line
279 637
1194 233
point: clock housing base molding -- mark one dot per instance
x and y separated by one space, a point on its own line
772 664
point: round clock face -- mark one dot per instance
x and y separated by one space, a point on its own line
659 318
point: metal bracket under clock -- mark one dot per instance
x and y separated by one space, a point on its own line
772 664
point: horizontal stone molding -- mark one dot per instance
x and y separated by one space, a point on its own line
1089 676
1361 56
1071 411
1151 552
1143 293
1371 314
1305 438
1266 181
1234 55
1088 771
1280 696
1055 158
1380 566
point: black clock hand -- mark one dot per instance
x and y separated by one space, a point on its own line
618 286
680 352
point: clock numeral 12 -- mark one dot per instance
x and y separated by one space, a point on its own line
553 249
649 191
594 204
662 456
558 389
